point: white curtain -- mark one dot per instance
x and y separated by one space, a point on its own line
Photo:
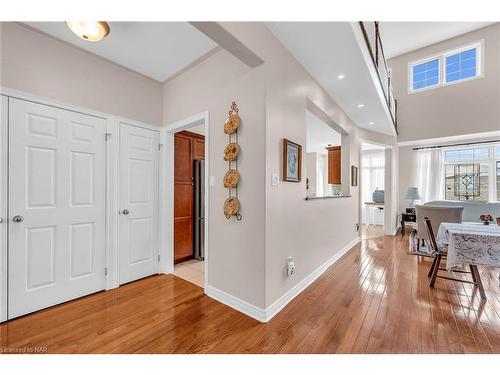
372 177
430 174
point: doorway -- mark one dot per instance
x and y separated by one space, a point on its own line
372 190
188 156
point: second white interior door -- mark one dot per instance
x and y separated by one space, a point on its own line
138 203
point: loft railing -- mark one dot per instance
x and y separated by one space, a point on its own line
373 41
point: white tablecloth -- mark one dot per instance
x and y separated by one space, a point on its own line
470 243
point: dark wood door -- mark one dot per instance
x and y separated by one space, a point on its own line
183 197
334 165
187 147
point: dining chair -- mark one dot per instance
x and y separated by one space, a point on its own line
439 254
437 215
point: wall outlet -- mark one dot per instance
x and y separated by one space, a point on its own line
356 227
290 269
274 179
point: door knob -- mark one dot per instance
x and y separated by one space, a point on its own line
1 220
125 212
17 219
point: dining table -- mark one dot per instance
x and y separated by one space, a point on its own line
470 243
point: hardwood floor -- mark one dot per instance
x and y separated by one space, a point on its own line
375 299
370 232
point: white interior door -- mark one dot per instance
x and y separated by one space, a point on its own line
57 206
138 200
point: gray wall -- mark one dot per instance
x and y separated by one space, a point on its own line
38 64
247 259
462 108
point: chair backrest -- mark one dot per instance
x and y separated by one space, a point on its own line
437 215
430 234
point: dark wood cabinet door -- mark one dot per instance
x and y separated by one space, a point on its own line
183 239
183 197
183 165
334 165
199 149
187 148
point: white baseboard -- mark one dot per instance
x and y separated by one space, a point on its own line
392 232
286 298
265 315
236 303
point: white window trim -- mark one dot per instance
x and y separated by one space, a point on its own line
479 45
491 162
479 61
419 62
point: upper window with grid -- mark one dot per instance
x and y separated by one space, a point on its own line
461 65
446 68
426 74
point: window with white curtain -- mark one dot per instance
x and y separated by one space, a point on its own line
372 177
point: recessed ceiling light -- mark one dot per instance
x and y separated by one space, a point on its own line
340 76
93 31
360 105
371 123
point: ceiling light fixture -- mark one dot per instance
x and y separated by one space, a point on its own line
360 105
92 31
371 123
340 76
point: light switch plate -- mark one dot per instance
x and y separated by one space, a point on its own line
274 179
212 181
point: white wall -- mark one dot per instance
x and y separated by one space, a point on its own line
407 174
41 65
391 190
311 160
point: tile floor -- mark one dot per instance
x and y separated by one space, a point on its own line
191 270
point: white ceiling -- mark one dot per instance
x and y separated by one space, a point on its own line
319 135
401 37
327 49
155 49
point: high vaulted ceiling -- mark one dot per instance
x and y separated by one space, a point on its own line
155 49
330 52
401 37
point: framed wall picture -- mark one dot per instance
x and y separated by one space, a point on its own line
354 175
292 161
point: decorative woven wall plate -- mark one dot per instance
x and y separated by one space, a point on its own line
231 179
231 124
231 151
231 206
